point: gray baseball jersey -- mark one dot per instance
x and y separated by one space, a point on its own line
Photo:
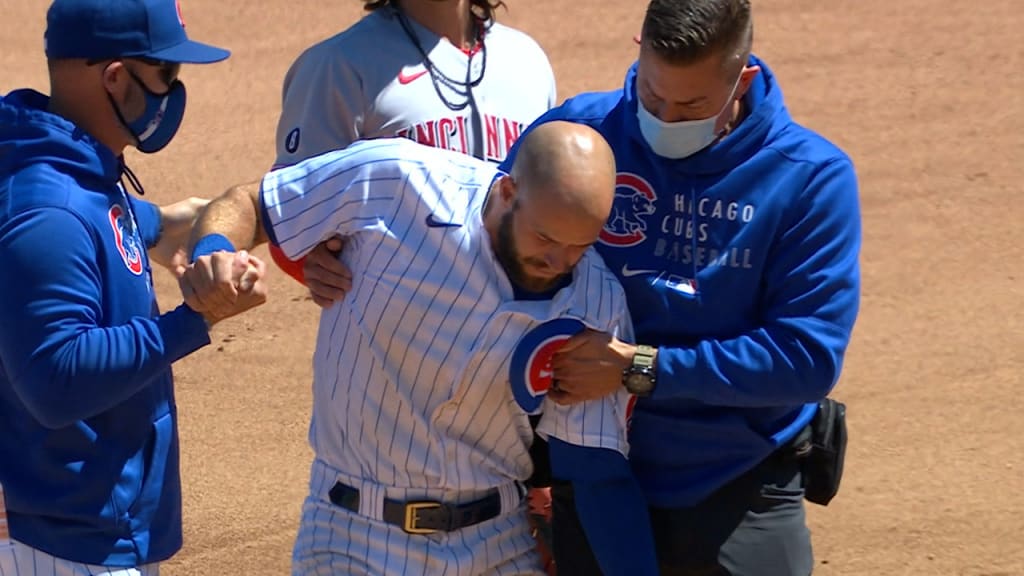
371 81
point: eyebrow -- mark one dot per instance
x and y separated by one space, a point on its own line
550 239
690 102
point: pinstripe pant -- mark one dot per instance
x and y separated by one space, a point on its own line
335 541
17 559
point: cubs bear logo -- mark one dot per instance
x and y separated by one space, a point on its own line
125 240
634 201
530 372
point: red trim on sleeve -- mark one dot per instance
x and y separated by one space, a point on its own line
292 268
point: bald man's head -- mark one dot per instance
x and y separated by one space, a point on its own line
554 204
566 166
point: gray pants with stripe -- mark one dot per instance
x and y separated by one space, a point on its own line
17 559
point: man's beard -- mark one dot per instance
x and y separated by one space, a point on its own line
505 252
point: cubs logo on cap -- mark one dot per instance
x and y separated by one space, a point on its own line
530 372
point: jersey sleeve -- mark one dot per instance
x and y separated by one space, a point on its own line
601 423
598 423
611 508
322 107
338 193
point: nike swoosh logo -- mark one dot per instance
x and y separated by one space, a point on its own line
433 222
408 78
629 273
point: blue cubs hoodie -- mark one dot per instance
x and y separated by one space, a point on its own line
741 264
88 434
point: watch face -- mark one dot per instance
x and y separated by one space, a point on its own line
639 383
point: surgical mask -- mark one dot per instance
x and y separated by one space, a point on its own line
678 140
159 122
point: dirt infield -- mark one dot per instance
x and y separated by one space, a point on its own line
925 95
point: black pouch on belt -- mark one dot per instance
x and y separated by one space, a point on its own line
823 466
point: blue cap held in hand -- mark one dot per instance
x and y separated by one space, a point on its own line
99 29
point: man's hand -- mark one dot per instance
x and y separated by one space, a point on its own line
176 222
223 284
327 278
589 366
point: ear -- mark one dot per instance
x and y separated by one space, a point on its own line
636 39
507 190
114 77
746 80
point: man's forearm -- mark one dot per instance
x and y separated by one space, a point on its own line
234 215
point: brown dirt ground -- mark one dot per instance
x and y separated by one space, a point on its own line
924 95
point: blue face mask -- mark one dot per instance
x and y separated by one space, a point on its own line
159 122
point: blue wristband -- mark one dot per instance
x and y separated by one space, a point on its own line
211 243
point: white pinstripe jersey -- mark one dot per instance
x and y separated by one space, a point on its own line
411 384
370 81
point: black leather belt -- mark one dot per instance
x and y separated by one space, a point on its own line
426 517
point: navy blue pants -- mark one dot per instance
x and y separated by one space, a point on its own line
752 526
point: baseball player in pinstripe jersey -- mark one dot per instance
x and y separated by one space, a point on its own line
421 442
445 74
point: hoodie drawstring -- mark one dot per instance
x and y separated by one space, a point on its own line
693 242
132 179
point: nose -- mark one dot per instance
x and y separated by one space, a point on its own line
660 110
561 260
664 112
670 114
555 261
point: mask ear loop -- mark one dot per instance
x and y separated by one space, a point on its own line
117 109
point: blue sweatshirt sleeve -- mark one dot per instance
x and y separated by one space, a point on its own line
147 216
809 306
610 505
63 365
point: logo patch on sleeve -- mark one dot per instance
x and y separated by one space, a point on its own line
291 142
530 372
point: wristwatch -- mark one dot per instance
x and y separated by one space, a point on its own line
639 377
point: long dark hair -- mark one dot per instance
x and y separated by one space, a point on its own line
483 9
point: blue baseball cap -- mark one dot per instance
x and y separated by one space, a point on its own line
97 29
